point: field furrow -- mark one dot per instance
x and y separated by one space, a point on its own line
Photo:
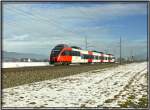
97 88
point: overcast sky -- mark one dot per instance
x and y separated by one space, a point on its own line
37 28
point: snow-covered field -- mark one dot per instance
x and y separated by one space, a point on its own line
23 64
89 89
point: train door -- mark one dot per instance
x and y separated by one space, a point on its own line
76 57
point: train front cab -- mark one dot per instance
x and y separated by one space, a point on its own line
53 57
64 57
55 53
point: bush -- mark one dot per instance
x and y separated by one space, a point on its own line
142 102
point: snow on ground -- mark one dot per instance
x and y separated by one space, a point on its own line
23 64
136 87
89 89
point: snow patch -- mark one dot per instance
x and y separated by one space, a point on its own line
88 89
23 64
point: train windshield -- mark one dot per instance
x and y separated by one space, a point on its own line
56 50
55 53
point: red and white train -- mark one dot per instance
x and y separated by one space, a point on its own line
63 54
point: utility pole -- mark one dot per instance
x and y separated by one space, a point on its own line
131 55
120 51
105 51
86 43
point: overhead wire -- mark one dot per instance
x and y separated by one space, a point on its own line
41 19
35 17
46 20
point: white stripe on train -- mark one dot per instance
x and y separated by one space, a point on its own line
78 59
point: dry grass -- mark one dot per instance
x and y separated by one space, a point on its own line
129 103
17 76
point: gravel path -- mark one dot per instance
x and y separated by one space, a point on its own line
88 89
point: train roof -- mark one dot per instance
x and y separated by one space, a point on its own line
62 45
96 51
110 54
101 52
75 47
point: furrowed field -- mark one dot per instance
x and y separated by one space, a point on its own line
109 85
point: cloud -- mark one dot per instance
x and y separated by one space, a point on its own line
19 37
39 27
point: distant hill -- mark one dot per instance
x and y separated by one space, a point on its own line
8 56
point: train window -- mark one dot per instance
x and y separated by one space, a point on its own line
101 57
109 58
85 56
75 53
90 57
72 53
82 56
96 57
54 53
78 53
66 53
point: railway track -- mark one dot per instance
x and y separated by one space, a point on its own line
18 76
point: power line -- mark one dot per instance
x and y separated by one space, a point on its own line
85 42
46 20
35 17
32 18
